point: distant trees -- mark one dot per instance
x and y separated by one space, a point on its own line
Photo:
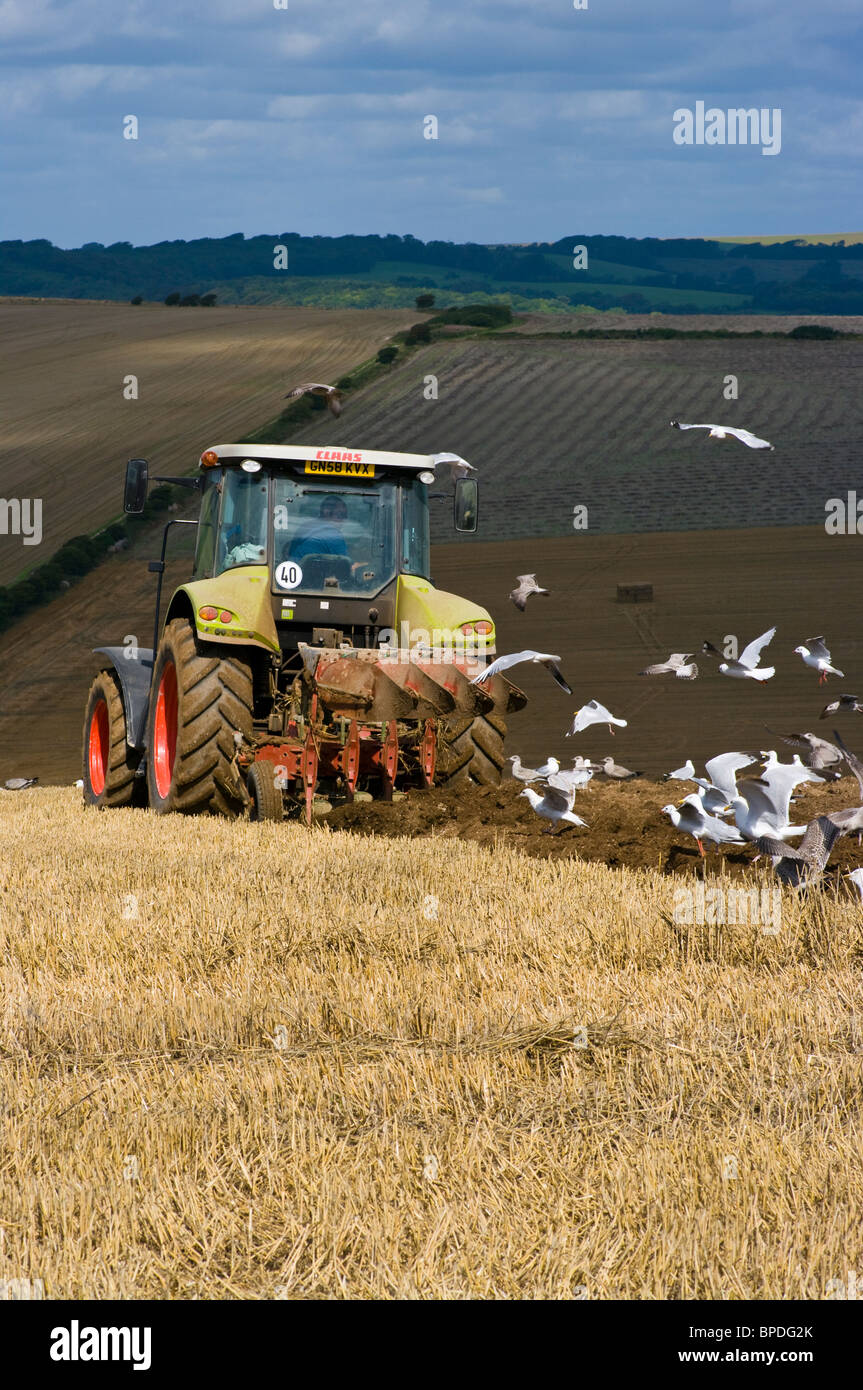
424 301
189 301
139 299
387 354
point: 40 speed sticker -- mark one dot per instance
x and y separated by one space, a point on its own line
289 575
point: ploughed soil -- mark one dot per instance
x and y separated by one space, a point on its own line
625 827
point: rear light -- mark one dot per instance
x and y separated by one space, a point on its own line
467 629
483 628
208 614
209 459
225 616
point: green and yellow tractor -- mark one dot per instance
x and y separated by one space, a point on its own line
309 654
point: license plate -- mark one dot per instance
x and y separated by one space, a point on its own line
339 468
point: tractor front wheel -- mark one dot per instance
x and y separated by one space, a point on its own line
200 699
109 763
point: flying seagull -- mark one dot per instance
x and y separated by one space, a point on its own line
679 664
594 713
762 805
691 817
616 773
722 769
816 655
849 821
503 663
851 759
527 585
331 394
458 467
819 753
806 863
746 666
723 431
852 703
555 806
19 784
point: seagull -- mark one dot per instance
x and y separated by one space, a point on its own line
594 713
532 774
331 394
679 664
721 771
820 755
849 821
746 665
714 801
571 779
527 585
723 431
807 862
681 774
20 784
503 663
692 818
816 655
555 806
856 877
458 467
617 773
762 804
852 703
851 759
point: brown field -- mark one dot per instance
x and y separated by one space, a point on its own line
555 423
204 375
246 1061
706 585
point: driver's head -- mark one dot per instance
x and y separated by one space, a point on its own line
334 509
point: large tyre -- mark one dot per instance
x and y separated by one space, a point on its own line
201 698
474 751
109 763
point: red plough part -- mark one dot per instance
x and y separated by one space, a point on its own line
363 718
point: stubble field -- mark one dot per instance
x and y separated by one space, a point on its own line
261 1062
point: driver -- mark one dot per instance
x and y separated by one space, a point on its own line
322 535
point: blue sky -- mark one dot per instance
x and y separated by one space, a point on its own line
310 119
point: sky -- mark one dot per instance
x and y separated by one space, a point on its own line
311 118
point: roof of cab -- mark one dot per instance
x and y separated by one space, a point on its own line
293 453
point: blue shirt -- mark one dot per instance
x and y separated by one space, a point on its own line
319 537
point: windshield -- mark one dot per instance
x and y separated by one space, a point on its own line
328 538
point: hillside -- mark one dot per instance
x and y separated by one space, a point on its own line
636 274
201 375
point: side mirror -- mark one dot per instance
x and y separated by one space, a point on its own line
135 494
465 504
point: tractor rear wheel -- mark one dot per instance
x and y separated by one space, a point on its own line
266 801
474 750
109 763
201 698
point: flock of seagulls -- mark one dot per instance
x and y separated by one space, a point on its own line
726 808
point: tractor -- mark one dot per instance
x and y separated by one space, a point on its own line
309 656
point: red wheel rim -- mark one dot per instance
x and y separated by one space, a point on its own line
97 748
165 730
